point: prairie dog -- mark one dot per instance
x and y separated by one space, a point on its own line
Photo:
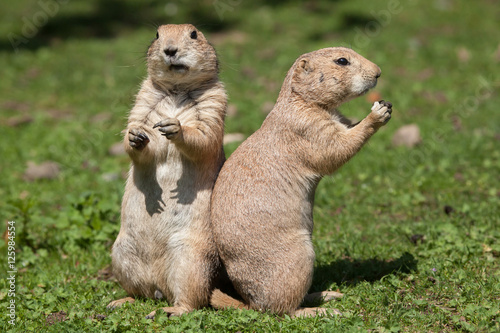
262 203
174 139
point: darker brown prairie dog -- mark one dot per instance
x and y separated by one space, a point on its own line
174 138
263 198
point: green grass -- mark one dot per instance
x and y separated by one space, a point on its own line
75 81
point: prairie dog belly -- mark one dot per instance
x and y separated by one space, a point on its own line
164 204
159 213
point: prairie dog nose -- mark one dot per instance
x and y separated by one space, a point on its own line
170 51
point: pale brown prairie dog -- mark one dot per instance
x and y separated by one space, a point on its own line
174 138
263 198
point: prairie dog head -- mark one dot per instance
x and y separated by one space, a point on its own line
180 54
332 76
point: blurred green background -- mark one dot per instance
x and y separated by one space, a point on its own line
70 71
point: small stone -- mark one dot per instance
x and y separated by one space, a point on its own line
463 54
408 135
19 120
249 72
45 170
110 176
497 54
101 117
425 74
233 137
116 149
230 37
457 123
266 107
232 110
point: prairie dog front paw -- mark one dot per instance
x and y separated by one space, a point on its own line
170 128
381 112
137 138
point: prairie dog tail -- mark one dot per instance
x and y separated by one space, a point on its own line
220 300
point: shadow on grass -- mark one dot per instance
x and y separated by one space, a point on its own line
104 19
349 271
42 26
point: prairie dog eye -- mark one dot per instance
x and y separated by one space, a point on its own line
194 35
157 35
342 62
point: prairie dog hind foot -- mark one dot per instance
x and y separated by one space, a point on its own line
170 311
321 297
119 302
314 312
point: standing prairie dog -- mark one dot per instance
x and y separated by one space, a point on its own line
262 202
174 138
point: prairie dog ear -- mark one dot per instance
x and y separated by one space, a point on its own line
305 66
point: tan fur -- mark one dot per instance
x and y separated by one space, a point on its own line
263 199
174 138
